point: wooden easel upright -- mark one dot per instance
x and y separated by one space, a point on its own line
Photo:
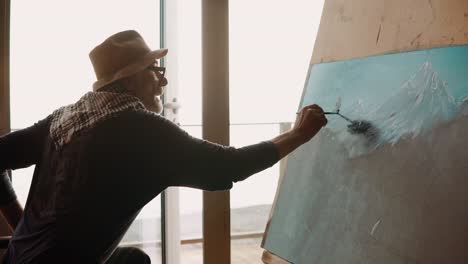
361 28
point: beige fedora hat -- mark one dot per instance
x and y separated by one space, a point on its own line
121 55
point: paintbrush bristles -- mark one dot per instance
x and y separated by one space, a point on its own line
363 127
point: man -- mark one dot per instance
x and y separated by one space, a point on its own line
100 160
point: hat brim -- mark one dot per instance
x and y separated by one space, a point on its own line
131 69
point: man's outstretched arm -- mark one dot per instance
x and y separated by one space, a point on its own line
197 163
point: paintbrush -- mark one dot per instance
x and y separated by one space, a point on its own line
359 127
362 127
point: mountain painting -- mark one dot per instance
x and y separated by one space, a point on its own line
398 195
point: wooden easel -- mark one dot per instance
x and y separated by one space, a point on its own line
360 28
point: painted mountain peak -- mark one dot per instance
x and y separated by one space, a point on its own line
420 102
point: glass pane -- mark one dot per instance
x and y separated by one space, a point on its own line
145 232
189 95
21 182
191 217
50 42
190 64
251 199
270 48
50 67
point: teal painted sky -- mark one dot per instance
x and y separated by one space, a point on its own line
372 80
318 195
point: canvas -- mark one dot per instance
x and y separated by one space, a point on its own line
398 195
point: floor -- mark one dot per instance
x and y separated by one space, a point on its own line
243 251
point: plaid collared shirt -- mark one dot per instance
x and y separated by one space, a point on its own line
92 108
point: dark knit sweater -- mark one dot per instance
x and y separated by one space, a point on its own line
84 196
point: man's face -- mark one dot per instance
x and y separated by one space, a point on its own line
149 87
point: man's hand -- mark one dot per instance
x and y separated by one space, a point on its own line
309 122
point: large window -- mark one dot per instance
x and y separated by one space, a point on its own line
189 94
270 45
50 42
270 48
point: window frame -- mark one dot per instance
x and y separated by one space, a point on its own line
215 205
5 121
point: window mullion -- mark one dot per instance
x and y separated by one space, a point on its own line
170 197
215 116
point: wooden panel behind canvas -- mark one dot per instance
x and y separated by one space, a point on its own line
361 28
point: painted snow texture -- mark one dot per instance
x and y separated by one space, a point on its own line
401 199
420 102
